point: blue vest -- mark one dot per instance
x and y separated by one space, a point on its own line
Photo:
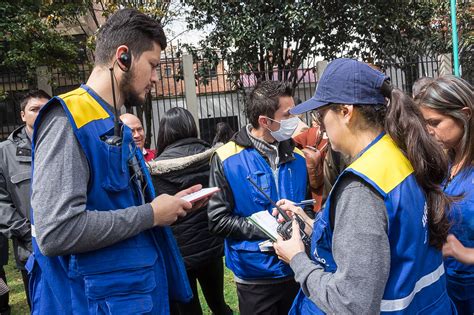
461 276
128 277
416 282
244 257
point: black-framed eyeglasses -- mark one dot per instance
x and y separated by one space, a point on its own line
318 115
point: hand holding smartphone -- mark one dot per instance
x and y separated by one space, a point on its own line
200 194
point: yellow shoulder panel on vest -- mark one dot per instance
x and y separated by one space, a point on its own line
228 149
298 151
384 164
83 107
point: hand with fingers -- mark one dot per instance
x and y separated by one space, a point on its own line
167 209
290 209
198 204
454 248
285 205
286 250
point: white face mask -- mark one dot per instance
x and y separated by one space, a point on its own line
287 129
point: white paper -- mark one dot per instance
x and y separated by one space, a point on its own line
265 222
195 196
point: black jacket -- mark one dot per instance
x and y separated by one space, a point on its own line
15 177
181 165
3 250
222 221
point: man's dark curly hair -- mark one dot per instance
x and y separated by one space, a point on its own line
265 100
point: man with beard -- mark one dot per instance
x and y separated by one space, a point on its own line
100 239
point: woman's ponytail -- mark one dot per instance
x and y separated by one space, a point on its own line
405 124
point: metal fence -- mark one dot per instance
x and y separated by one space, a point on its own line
404 74
64 82
467 64
14 83
220 92
226 102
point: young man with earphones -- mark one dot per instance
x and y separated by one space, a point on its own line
100 238
263 152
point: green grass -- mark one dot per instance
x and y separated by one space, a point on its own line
17 292
230 294
20 307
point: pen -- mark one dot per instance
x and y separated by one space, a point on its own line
283 214
303 203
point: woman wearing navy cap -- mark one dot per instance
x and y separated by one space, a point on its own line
447 106
376 245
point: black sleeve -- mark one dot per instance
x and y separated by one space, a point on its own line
222 220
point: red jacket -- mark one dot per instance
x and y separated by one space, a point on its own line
149 154
313 145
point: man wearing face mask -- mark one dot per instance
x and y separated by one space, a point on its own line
263 151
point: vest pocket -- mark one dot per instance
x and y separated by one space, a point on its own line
248 262
99 286
264 181
121 292
133 253
117 174
130 304
20 177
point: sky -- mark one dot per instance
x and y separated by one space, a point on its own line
177 29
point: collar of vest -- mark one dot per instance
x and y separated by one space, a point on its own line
85 106
382 164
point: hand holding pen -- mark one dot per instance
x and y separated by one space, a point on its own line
292 209
304 203
290 212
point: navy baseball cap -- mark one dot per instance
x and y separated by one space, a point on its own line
345 81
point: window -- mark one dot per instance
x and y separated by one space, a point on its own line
167 72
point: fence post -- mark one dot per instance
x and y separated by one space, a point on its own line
43 77
190 88
320 67
445 64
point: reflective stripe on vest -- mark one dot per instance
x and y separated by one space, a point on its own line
423 282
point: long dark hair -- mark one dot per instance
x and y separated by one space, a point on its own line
405 124
448 95
176 124
224 133
403 121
